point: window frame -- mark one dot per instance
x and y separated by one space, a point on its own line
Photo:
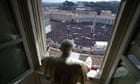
38 27
107 56
108 51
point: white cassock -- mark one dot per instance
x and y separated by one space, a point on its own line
88 62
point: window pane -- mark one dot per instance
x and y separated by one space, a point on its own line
13 62
7 26
122 75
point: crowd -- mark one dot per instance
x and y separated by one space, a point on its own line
79 32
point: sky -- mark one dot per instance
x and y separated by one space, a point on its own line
76 0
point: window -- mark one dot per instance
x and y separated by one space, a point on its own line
88 24
14 61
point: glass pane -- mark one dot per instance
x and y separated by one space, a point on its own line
123 76
7 25
13 62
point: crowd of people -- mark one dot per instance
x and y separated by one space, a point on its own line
79 32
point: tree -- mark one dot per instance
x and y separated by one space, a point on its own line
98 6
68 5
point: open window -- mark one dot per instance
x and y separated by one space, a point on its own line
87 24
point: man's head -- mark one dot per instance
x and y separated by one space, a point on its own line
66 46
